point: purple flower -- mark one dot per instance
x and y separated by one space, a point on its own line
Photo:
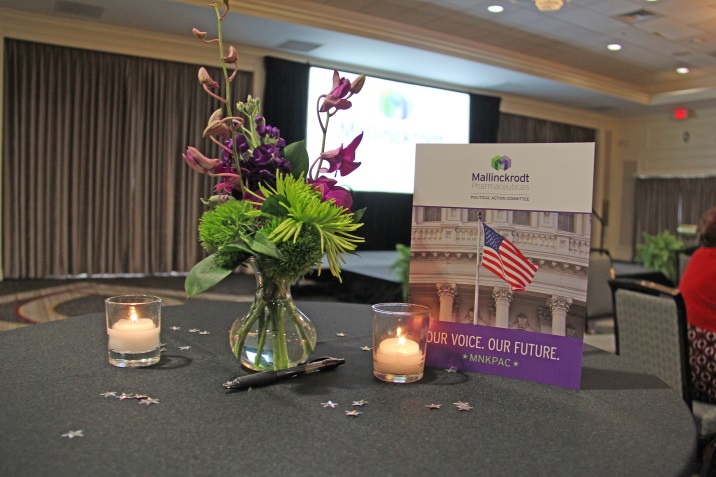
335 99
330 191
265 160
262 166
228 186
343 159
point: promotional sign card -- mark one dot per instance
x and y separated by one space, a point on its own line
500 254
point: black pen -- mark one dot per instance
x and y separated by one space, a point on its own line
268 377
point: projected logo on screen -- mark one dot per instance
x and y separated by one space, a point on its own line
394 105
501 163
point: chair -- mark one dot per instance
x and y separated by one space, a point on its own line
650 329
599 296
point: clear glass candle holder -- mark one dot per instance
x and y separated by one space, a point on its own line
133 326
400 337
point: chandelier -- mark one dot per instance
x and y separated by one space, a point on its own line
549 5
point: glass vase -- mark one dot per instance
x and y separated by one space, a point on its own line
274 334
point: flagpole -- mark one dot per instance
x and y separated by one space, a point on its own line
477 270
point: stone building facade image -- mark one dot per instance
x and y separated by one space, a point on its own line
444 258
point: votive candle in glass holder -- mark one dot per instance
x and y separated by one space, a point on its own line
400 337
133 325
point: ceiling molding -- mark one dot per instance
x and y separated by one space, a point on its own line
358 24
76 33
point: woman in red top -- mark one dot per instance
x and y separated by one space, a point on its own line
698 287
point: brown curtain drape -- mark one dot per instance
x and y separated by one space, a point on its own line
664 203
93 179
522 129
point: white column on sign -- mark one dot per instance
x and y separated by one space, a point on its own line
503 297
559 306
446 292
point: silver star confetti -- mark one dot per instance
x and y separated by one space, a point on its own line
124 396
73 434
194 330
465 408
433 406
175 328
204 332
460 403
451 370
184 348
365 348
360 403
340 334
330 404
147 400
109 394
353 413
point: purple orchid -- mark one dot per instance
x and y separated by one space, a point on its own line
336 98
330 191
343 158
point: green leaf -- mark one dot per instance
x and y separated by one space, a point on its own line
261 244
272 206
296 154
239 246
204 275
358 214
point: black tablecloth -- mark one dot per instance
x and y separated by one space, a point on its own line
621 422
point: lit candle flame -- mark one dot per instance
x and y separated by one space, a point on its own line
401 339
133 314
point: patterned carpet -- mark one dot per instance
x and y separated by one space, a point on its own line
59 299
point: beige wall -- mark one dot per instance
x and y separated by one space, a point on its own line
654 142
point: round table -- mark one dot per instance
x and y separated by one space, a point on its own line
53 377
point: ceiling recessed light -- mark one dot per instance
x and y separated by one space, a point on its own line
614 47
495 9
682 70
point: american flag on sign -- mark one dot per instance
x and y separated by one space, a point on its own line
505 260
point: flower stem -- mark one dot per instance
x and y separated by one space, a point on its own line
324 128
256 311
263 325
227 95
305 339
280 352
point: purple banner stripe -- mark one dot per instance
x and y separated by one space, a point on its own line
519 354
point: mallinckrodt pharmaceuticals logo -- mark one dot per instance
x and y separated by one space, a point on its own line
500 181
394 105
501 163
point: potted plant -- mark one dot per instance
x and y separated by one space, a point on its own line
658 252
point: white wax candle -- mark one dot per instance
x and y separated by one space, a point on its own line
133 335
398 356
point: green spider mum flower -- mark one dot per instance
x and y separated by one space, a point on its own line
303 211
299 257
